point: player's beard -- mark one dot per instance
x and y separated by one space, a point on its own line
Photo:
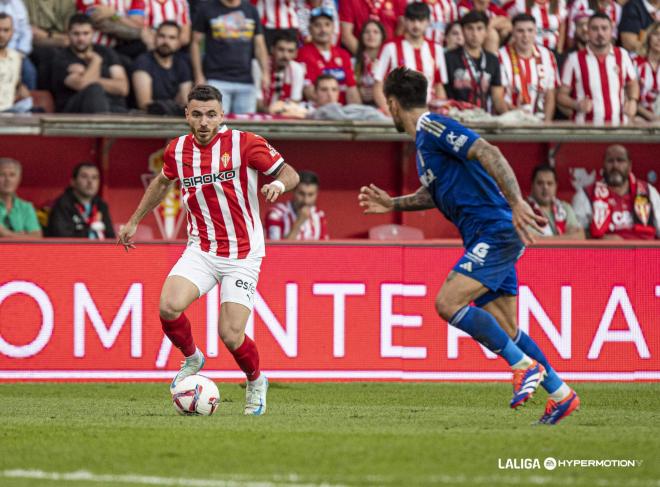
205 138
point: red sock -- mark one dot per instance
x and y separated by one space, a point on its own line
180 334
247 358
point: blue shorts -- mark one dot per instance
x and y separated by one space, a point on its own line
491 258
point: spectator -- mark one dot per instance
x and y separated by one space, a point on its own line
287 76
372 39
620 206
329 107
304 9
648 67
80 212
233 37
162 78
443 13
636 18
592 96
327 90
21 41
158 11
609 7
14 96
413 51
298 218
562 222
499 25
529 72
353 14
454 36
550 16
473 74
321 57
277 17
17 217
87 77
580 28
119 24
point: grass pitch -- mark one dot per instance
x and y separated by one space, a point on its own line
334 434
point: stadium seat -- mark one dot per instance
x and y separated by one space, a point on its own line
44 100
393 231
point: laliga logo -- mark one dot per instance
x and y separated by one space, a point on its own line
169 213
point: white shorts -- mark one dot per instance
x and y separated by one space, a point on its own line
237 277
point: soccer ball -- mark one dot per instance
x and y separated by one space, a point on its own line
196 395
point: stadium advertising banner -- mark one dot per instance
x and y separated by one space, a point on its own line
323 312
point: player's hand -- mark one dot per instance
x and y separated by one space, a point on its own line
374 200
524 217
271 192
126 234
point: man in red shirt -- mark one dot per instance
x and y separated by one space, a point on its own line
298 218
218 170
620 206
321 57
353 14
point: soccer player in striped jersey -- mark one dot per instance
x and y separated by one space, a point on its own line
473 185
218 169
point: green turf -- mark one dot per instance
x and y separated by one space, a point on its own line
346 433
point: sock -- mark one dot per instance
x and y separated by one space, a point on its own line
484 328
247 358
552 383
180 334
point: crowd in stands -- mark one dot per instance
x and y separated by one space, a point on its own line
586 60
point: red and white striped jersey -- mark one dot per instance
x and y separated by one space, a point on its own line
493 10
286 84
158 11
442 13
428 59
649 82
122 8
281 217
277 14
547 23
527 80
219 189
613 11
601 79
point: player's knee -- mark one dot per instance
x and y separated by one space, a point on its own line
170 308
232 336
446 306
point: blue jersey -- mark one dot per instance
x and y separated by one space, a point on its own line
461 188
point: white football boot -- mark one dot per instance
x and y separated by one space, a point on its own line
190 366
255 396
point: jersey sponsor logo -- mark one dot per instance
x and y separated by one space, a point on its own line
209 178
427 178
456 141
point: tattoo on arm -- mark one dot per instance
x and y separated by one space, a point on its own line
419 200
498 167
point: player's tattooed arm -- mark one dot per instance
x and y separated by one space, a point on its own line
419 200
522 215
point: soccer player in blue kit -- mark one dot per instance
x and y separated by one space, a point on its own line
473 185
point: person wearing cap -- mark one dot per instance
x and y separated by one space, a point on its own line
320 56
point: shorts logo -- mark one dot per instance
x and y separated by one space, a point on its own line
209 178
478 253
466 266
247 285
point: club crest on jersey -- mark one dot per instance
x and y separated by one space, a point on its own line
226 158
209 178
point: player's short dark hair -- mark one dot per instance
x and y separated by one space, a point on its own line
417 11
308 177
474 17
543 167
5 16
408 87
169 23
285 36
80 166
205 93
523 17
80 19
323 77
600 15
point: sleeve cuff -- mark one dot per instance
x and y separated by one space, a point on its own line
275 167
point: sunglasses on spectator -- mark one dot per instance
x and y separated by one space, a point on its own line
322 12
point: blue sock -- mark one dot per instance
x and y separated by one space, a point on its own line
552 381
484 328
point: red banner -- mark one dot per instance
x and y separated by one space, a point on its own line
344 312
